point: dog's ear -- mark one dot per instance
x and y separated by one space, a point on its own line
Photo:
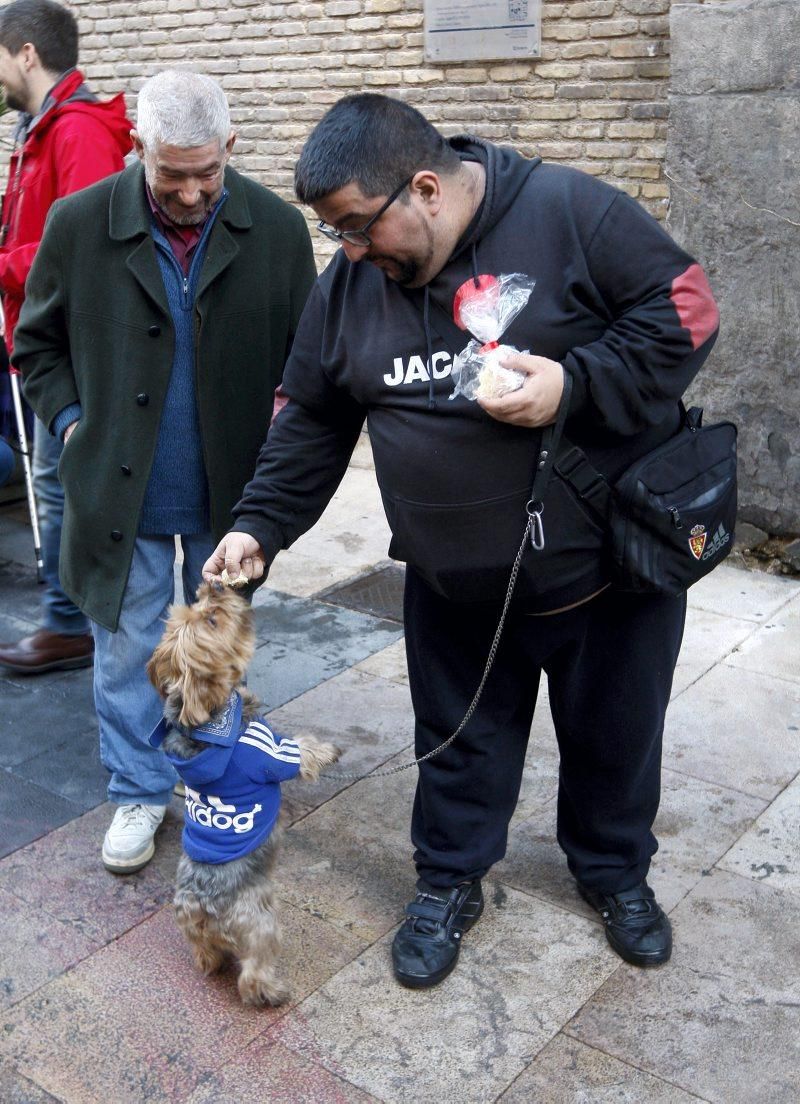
202 693
159 667
203 654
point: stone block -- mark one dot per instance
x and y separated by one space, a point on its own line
734 206
720 1021
743 46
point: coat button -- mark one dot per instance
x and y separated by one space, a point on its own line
154 331
116 535
125 469
143 399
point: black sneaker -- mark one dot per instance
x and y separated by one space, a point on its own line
636 926
426 947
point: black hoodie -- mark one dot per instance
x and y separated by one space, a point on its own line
627 313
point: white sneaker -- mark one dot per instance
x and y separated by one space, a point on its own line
128 845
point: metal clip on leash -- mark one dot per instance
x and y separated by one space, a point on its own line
535 530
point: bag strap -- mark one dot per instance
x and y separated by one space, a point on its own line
593 487
548 450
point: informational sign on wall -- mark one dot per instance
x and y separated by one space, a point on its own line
477 30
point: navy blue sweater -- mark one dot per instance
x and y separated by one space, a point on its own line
176 499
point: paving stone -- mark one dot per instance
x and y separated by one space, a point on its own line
71 769
774 649
722 1019
28 812
303 576
13 628
696 824
38 713
141 1000
750 595
302 643
63 876
737 728
770 851
350 862
278 674
354 530
18 538
389 663
540 775
351 539
35 949
16 1089
337 635
263 1064
524 970
369 718
20 594
567 1072
708 638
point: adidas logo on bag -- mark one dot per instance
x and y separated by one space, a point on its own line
699 539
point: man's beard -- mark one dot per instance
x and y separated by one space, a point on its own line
193 218
408 270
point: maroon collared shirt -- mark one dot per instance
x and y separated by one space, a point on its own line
183 240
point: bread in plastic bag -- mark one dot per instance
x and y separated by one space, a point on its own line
486 307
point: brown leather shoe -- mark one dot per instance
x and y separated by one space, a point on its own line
47 651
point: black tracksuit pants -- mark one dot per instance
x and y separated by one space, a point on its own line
609 664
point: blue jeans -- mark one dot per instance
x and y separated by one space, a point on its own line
128 708
59 613
6 462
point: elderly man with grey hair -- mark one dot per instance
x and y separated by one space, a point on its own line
158 317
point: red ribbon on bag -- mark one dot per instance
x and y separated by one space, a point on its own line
470 290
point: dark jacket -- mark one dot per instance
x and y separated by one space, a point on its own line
96 329
628 314
75 141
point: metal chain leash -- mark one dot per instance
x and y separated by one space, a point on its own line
533 517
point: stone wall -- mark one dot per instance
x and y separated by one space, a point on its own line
732 166
596 99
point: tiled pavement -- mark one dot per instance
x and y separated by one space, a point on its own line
99 999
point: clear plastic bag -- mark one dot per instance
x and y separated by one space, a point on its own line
487 310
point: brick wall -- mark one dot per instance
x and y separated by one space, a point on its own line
597 98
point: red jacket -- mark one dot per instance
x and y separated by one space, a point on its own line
75 142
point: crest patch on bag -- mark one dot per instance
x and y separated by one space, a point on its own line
697 541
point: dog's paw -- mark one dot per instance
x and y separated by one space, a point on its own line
258 987
208 959
315 756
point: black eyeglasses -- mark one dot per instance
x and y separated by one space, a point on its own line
361 237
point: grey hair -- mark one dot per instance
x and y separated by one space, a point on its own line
180 108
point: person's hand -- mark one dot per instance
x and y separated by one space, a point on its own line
239 554
68 431
536 402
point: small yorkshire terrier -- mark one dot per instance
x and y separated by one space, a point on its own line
232 765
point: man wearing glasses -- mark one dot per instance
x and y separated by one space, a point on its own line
623 315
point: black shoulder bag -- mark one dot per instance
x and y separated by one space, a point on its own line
671 515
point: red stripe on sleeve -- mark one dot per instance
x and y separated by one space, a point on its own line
280 401
694 302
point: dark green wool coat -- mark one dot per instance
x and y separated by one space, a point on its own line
96 329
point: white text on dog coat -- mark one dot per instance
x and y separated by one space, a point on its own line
218 815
